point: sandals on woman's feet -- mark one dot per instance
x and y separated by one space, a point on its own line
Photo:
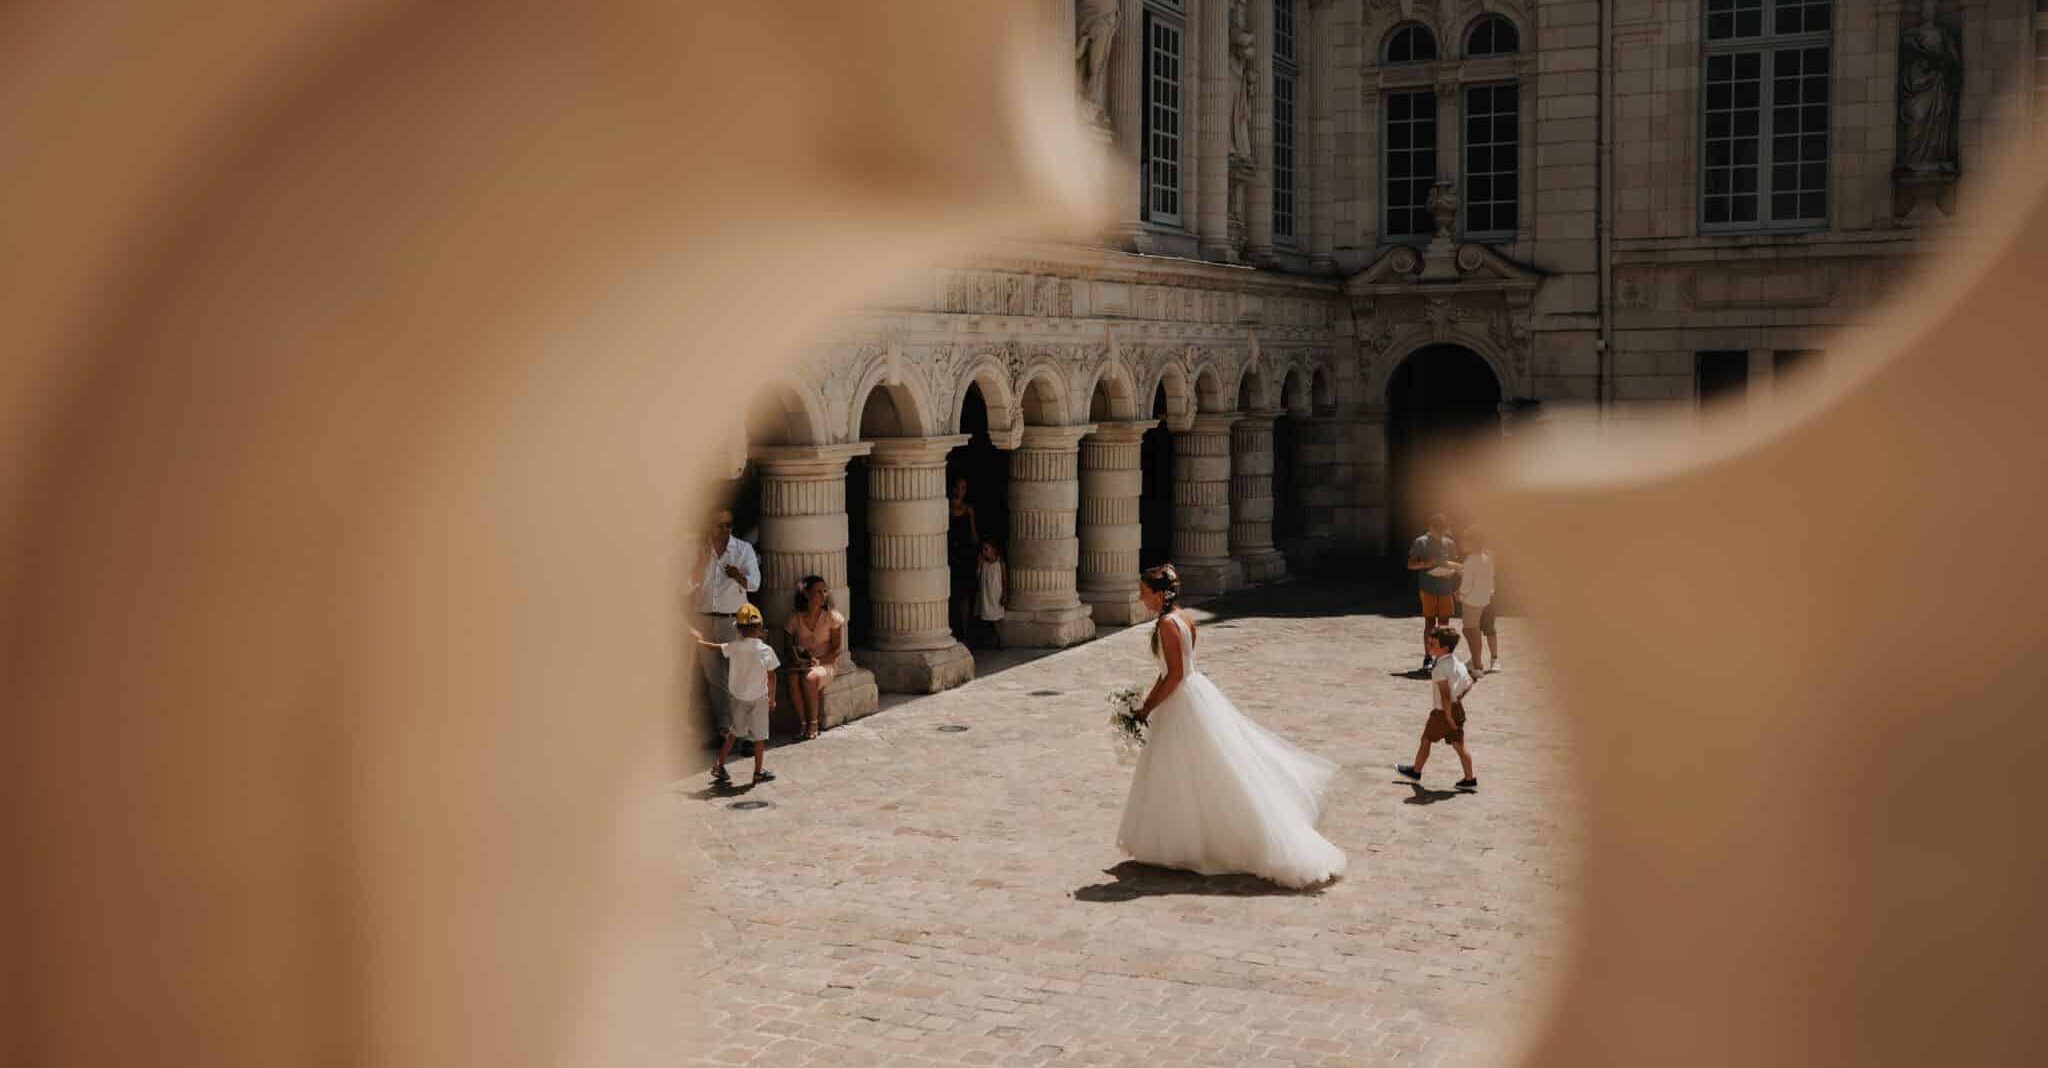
720 776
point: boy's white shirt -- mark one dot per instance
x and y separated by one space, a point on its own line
1449 669
748 662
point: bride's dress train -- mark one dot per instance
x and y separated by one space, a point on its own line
1216 793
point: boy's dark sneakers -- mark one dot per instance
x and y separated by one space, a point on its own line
1407 772
720 776
764 775
1468 784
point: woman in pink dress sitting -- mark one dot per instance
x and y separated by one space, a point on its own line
817 635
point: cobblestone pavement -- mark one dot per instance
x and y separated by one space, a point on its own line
920 897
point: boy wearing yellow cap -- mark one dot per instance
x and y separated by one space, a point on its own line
750 676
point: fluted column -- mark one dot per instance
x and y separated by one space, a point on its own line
1211 22
1258 207
1319 193
1251 498
1201 506
1110 531
803 532
909 585
1045 494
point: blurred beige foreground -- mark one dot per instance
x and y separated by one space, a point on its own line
356 360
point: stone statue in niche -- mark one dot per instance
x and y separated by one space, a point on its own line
1930 98
1243 74
1095 26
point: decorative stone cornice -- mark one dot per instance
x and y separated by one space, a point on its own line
1061 438
1124 432
1214 422
798 460
909 452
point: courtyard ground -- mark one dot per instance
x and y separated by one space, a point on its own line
922 896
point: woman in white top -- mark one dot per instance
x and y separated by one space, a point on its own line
1477 596
1216 793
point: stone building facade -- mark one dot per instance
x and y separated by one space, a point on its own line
1353 228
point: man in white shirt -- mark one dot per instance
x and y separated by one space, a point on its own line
726 571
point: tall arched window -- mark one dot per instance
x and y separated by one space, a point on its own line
1410 43
1286 69
1492 142
1492 36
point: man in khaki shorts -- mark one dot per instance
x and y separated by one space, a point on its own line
1435 555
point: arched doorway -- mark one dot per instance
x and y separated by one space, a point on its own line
1155 494
987 471
1440 398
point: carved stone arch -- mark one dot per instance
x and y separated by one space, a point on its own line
989 372
1295 394
1172 377
1043 395
1322 388
1409 343
908 412
1383 17
1215 381
1254 386
1466 16
1113 380
787 413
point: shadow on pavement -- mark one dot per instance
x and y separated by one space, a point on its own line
1426 796
1132 880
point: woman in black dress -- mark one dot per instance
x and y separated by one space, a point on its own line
963 544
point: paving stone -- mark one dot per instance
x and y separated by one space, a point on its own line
916 897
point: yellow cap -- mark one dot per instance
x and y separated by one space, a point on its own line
748 616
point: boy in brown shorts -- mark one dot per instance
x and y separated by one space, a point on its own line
1449 681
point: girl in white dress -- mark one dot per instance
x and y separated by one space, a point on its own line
1214 792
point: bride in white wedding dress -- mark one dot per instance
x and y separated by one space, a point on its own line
1216 793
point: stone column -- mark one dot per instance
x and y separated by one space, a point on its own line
1251 497
1201 506
803 532
1212 120
1258 206
910 589
1320 146
1110 534
1045 494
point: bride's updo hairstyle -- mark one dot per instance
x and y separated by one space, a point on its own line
1164 581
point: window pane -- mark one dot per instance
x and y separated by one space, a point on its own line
1732 117
1492 120
1161 115
1410 139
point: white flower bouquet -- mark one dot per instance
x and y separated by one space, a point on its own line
1126 730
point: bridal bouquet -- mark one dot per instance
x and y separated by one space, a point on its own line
1126 730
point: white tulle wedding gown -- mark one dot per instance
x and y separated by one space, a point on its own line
1217 794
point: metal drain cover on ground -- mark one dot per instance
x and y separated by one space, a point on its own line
750 805
953 728
1045 693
